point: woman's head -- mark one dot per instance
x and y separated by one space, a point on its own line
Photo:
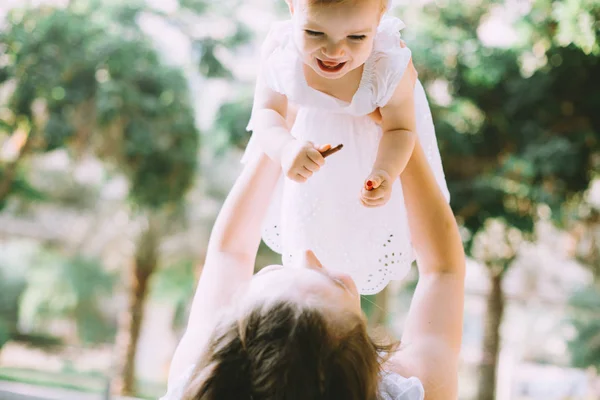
335 36
307 283
297 334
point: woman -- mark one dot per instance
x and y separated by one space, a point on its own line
299 333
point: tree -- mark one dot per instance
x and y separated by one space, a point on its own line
87 78
496 245
12 286
585 346
585 302
230 125
515 122
70 289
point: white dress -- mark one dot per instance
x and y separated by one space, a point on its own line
325 214
391 387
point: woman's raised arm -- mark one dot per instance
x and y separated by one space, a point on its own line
432 335
230 257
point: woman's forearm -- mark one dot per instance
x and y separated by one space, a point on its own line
237 228
432 225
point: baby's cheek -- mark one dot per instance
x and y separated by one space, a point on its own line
360 57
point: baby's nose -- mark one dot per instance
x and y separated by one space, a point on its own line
334 50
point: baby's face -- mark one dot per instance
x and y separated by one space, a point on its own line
335 39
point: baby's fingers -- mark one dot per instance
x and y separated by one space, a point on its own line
373 194
306 172
375 197
373 203
298 178
310 165
315 156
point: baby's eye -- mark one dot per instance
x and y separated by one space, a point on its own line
313 33
357 37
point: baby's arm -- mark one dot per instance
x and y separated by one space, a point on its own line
399 127
272 120
397 142
269 120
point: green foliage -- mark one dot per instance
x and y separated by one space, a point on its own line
156 142
368 304
176 284
5 333
512 138
16 257
230 125
520 124
68 288
11 290
210 65
22 188
585 347
101 83
197 6
51 60
577 24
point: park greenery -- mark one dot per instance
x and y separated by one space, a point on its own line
516 114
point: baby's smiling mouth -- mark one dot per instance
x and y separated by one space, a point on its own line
330 66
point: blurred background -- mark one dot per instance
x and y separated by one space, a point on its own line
122 124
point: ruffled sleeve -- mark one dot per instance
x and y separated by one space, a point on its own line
396 387
272 62
278 66
390 60
277 56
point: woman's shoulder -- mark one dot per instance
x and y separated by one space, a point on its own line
396 387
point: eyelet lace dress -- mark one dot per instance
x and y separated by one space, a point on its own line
325 214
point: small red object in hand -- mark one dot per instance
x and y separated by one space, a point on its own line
369 185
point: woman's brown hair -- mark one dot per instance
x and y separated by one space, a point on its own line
287 352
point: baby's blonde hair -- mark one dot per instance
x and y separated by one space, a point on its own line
384 3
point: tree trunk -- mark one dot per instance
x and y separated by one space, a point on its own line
491 341
7 177
142 268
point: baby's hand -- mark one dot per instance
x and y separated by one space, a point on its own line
300 160
377 190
